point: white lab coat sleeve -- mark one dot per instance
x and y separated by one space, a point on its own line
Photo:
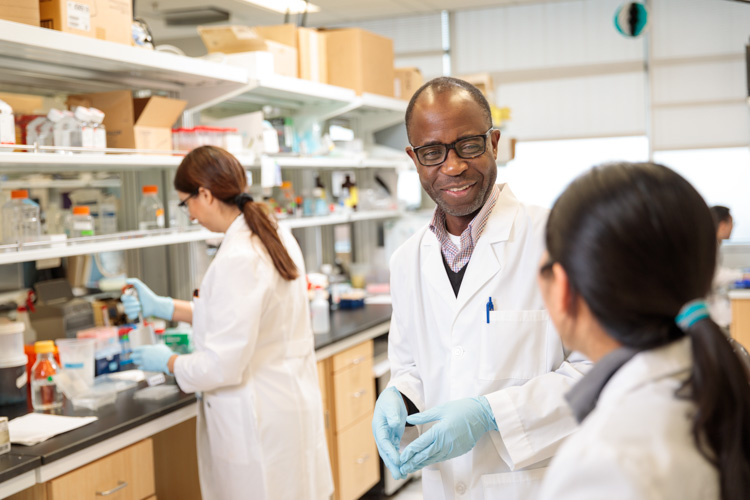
597 471
404 374
233 312
533 419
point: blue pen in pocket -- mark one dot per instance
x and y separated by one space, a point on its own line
489 307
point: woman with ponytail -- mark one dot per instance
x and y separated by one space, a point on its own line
665 411
260 420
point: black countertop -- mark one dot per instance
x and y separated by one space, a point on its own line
128 413
348 322
13 465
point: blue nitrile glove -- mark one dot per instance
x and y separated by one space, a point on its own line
461 424
152 358
150 303
388 423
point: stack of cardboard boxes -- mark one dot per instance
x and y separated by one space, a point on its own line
348 57
103 19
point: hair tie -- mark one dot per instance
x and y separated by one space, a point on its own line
241 199
691 313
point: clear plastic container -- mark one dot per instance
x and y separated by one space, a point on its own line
151 211
81 223
21 220
44 392
100 131
77 356
68 131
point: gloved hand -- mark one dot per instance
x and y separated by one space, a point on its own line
388 423
152 358
147 301
461 424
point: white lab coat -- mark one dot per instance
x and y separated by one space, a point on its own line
260 421
637 443
441 348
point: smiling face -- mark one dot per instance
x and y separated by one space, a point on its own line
458 186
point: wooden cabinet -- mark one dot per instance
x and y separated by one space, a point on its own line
124 475
348 389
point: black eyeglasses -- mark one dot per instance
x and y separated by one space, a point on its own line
547 266
183 204
466 148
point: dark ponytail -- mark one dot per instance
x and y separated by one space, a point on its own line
719 387
220 172
638 243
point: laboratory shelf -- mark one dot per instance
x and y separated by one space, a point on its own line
304 97
59 183
107 243
327 220
11 254
55 162
318 162
52 61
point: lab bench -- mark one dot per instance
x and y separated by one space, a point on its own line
153 443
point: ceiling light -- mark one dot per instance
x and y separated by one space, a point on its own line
284 6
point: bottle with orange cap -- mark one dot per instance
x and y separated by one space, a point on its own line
151 211
44 392
81 223
21 220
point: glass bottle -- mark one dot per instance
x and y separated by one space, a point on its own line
319 311
151 211
81 223
44 393
21 218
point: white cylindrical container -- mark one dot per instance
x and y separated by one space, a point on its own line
151 211
13 377
320 312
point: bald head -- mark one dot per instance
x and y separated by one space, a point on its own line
447 85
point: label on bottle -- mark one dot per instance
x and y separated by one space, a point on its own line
160 217
79 16
82 226
22 380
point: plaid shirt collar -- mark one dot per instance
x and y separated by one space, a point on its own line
455 257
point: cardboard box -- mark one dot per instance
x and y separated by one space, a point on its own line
135 123
280 33
109 20
360 60
24 104
20 11
238 39
311 48
406 82
482 81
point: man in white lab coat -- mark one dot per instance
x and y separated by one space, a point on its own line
470 345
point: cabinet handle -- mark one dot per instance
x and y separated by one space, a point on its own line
359 393
120 485
358 360
362 459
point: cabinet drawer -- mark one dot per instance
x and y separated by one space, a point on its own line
353 393
124 475
354 356
358 464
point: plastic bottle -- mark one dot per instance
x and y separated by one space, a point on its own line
38 131
100 131
108 215
21 218
67 131
7 124
81 223
319 311
83 115
151 211
44 393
